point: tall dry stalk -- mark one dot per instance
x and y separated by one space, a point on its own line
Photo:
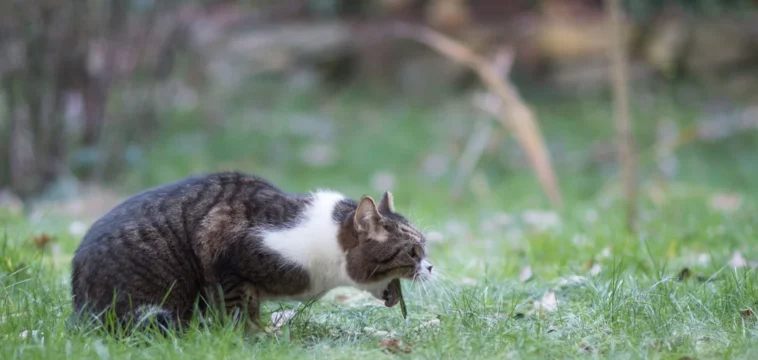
515 114
620 84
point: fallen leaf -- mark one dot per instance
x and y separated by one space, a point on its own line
279 318
341 298
726 202
395 345
685 274
41 241
589 264
548 302
595 269
526 274
737 261
747 313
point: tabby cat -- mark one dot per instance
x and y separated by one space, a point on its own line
231 241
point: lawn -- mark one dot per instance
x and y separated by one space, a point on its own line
516 278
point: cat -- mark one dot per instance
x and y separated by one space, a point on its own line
231 241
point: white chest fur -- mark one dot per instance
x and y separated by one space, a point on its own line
313 245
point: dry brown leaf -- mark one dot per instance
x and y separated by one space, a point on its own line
395 346
526 274
747 313
589 264
41 241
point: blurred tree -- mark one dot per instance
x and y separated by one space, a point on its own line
56 50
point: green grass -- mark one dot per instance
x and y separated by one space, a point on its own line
634 308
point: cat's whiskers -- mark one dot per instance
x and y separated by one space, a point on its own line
442 281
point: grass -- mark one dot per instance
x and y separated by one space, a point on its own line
635 307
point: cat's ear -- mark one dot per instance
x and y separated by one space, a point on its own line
386 204
367 215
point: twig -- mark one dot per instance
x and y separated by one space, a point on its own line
515 115
621 113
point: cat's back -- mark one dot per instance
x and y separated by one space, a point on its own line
176 203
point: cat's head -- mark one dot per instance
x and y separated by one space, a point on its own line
382 245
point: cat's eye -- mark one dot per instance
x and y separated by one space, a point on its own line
417 252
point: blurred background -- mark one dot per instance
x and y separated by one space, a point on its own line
454 105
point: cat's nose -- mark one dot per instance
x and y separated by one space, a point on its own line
429 268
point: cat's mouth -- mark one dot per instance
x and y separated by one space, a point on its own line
392 294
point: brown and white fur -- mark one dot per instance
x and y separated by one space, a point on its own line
232 241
